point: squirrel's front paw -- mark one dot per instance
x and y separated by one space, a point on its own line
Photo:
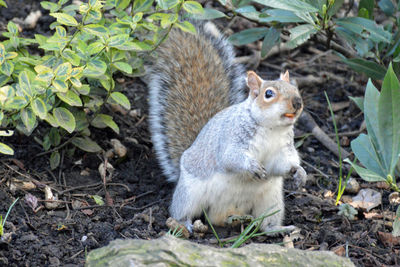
300 176
259 172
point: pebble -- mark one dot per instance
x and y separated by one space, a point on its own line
352 186
394 198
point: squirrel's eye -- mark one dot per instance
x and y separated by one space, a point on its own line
269 93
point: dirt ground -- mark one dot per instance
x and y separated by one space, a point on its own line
138 194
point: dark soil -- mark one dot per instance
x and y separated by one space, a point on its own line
137 197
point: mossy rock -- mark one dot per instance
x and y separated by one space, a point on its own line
170 251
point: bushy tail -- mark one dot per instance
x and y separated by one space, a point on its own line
195 77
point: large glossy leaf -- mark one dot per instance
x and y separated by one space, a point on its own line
86 144
64 118
65 19
371 101
270 39
39 108
193 7
366 174
121 99
300 34
361 26
292 5
28 118
370 68
5 149
103 121
280 15
248 36
208 14
70 98
365 152
142 5
389 119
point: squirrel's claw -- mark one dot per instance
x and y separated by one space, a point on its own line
261 173
300 176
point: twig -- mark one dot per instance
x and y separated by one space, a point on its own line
306 120
315 169
80 187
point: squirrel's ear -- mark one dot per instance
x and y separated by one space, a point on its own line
254 83
285 77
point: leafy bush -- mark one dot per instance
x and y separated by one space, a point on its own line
361 43
379 150
69 84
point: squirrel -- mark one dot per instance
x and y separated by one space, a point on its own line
226 146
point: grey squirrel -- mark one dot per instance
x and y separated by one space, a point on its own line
226 146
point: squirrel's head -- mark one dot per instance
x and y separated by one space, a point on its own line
274 102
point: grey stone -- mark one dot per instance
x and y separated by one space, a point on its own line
170 251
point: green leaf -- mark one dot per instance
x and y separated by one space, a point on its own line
167 4
95 68
51 120
5 149
60 85
208 14
70 98
280 15
248 36
193 7
75 82
169 19
249 12
291 5
24 83
12 28
122 66
17 102
389 120
186 26
370 68
86 144
39 108
7 68
117 40
2 53
95 48
97 30
363 26
366 174
103 121
54 160
271 38
64 118
65 19
50 6
387 7
71 57
360 44
63 71
365 152
121 99
28 118
142 5
371 101
98 199
359 101
396 223
368 5
54 137
300 34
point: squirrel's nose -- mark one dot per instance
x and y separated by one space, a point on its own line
297 103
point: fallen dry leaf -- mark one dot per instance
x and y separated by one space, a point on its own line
388 239
367 199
